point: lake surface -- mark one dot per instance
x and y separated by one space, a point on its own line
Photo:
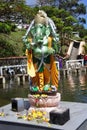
72 88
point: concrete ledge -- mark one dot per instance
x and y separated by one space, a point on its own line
4 125
78 114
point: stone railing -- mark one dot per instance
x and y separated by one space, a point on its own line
13 61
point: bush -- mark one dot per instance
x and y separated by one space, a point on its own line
5 28
13 27
6 49
12 44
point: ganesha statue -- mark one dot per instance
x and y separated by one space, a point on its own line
41 42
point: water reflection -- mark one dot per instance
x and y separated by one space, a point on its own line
82 79
71 81
72 88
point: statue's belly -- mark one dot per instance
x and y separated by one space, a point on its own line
39 52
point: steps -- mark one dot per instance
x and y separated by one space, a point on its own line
74 54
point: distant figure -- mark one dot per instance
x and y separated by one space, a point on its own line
80 56
60 63
85 59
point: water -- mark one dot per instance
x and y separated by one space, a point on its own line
72 88
12 90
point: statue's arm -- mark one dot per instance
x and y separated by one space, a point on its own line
27 42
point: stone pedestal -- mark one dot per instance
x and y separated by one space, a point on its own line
45 101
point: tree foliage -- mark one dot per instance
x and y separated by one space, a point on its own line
74 7
6 49
11 9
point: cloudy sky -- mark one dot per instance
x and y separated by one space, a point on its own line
32 2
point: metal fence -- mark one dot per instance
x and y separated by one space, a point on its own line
73 64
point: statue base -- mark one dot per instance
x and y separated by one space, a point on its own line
44 100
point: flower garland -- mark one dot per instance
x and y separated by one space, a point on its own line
37 115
